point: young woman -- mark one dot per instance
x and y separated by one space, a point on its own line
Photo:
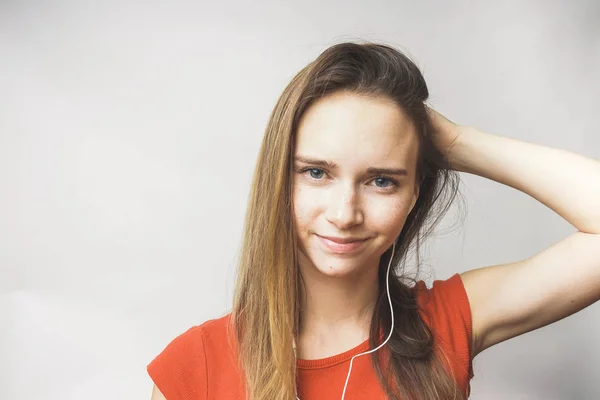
353 173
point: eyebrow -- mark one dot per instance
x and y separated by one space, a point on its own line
371 170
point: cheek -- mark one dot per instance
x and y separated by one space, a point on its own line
389 217
304 207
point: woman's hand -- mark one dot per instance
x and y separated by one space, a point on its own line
447 133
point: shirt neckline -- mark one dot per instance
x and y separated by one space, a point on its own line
333 360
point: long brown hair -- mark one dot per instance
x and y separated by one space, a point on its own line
265 317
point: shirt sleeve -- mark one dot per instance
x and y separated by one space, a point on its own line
447 311
180 370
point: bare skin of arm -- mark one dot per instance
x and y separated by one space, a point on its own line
156 394
510 299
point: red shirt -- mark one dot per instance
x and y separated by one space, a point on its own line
200 364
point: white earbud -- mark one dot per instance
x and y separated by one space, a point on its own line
387 283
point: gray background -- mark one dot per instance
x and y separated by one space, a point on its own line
129 131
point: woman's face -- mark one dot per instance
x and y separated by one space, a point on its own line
354 181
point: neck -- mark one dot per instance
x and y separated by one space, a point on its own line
335 312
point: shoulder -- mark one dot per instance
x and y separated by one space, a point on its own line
446 302
181 370
446 310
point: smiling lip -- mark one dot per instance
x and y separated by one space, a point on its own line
341 245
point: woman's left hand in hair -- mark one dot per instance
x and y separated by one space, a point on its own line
447 133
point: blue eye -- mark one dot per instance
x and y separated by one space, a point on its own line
384 182
315 173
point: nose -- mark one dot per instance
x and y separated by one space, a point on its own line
344 210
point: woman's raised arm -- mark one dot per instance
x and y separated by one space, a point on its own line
510 299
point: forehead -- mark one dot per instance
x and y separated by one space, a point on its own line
357 129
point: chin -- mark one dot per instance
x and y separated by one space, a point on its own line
335 265
335 268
